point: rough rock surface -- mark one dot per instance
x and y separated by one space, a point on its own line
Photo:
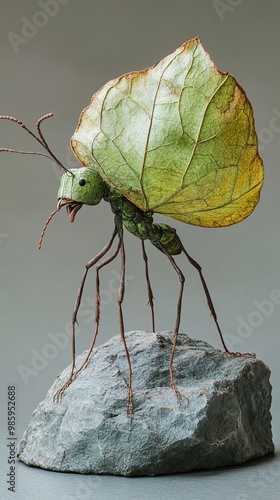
226 421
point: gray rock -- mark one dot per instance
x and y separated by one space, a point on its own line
226 421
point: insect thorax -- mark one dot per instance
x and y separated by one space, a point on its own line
141 224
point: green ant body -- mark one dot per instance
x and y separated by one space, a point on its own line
87 187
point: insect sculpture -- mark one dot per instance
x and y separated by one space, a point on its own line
176 139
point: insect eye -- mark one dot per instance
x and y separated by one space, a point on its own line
82 182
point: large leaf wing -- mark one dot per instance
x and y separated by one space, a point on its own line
178 139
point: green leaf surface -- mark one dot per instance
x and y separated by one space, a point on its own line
177 138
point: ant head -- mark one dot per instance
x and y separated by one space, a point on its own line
83 185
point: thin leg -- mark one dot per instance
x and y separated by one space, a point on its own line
150 292
208 297
120 301
177 322
88 266
97 314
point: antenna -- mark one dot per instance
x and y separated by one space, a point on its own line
39 138
46 225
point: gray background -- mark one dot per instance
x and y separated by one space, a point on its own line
60 66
